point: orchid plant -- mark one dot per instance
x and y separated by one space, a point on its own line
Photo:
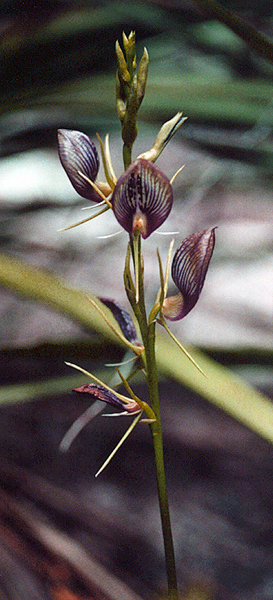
141 200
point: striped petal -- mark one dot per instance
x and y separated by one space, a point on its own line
79 156
142 198
189 269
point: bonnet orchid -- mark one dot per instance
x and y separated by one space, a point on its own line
189 269
80 160
99 392
142 198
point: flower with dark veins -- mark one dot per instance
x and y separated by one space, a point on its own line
189 269
80 161
142 198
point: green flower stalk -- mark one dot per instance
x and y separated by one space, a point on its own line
141 200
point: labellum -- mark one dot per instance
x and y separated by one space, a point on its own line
142 198
80 161
189 269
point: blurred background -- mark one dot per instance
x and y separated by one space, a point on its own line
57 70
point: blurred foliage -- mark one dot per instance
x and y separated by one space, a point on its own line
57 63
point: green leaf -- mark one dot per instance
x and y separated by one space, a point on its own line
41 286
55 386
221 387
256 40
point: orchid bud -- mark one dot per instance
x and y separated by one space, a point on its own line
80 161
142 75
98 392
189 268
142 198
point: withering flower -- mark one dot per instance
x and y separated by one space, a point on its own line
142 198
99 392
80 161
123 319
189 269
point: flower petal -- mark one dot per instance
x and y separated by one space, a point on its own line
123 318
78 155
142 198
189 269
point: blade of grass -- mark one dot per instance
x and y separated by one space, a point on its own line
237 100
256 40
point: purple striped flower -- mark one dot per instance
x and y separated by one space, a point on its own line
189 269
142 198
79 157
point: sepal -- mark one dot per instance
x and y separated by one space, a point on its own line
163 137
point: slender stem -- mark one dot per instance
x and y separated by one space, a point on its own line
127 155
148 338
156 431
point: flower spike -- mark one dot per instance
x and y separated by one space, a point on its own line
80 161
189 269
142 198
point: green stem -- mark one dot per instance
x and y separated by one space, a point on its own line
127 155
148 338
156 431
